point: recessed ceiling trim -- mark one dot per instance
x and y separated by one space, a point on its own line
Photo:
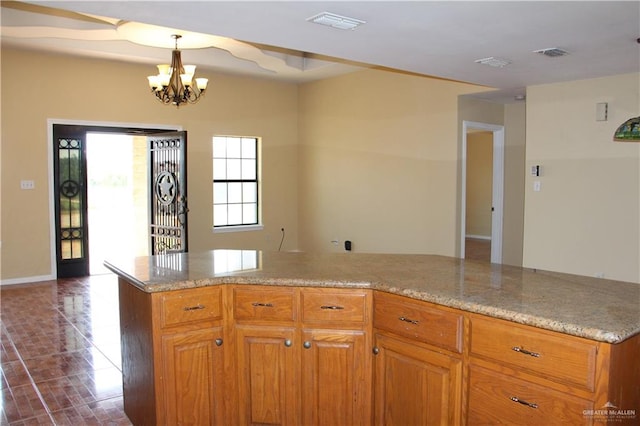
332 20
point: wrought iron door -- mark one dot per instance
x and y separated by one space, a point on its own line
168 168
70 181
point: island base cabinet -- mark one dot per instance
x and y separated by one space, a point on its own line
266 376
193 378
415 385
498 399
335 378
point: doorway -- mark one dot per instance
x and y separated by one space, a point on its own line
117 197
113 222
485 236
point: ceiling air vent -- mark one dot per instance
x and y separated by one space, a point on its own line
335 21
552 52
493 62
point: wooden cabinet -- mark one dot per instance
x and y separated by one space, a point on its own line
415 385
173 356
264 328
418 365
303 355
193 378
266 376
250 354
336 357
525 375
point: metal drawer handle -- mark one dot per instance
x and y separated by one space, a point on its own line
262 305
193 308
523 402
332 307
405 319
526 352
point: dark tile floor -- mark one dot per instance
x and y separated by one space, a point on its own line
60 353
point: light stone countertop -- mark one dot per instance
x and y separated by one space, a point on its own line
598 309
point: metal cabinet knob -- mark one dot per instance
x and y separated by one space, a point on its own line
287 343
376 350
219 342
306 344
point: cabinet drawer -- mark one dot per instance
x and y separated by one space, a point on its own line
192 305
334 306
418 320
263 303
553 356
498 399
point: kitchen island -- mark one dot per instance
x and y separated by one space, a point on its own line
493 333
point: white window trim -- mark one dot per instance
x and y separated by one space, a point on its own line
237 228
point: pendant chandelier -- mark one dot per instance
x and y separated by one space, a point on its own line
174 83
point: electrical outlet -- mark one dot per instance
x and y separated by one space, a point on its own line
27 184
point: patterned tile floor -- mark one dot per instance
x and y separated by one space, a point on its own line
60 353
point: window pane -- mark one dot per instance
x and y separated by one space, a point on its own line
235 159
234 194
219 147
219 193
220 215
249 213
248 169
76 249
219 169
233 169
248 148
249 192
235 214
233 147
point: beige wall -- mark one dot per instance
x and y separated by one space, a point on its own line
514 172
586 217
379 163
37 87
479 184
373 157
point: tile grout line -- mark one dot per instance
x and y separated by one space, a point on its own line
31 381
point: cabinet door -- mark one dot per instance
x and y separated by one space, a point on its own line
193 382
336 378
414 385
267 371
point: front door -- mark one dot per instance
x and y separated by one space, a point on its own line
70 183
168 222
70 193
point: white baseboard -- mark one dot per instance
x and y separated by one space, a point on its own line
479 237
27 280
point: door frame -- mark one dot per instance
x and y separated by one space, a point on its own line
497 198
51 170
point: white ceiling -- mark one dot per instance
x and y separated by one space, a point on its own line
434 38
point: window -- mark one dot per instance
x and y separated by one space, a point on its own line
235 181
